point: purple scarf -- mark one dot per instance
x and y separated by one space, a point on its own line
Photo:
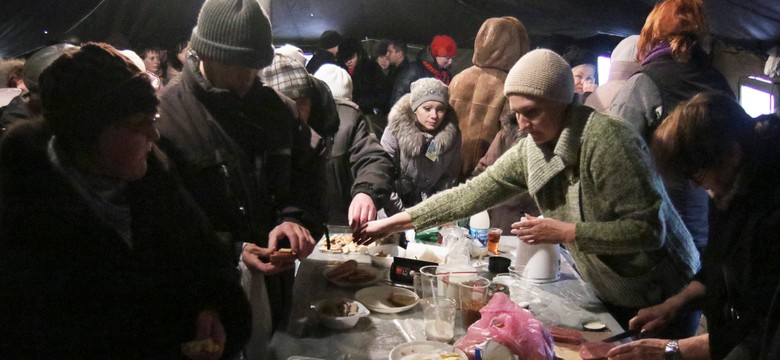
658 51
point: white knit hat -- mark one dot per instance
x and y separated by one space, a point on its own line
338 80
541 73
427 89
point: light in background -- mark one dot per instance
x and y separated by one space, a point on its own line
603 63
758 95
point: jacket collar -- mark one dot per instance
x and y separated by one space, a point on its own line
544 162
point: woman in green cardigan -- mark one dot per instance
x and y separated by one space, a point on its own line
591 177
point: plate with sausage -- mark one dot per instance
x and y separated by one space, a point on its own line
352 274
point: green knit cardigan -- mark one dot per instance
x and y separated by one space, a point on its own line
630 244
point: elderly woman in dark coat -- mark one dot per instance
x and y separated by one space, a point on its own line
736 160
102 253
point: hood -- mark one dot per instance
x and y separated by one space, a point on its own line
402 121
500 42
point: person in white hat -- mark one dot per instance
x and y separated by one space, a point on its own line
591 178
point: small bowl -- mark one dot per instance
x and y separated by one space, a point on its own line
390 250
325 306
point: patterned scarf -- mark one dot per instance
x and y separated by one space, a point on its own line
442 74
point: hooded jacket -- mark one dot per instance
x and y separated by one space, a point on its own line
477 93
419 176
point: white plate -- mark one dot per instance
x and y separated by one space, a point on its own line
375 299
363 267
425 350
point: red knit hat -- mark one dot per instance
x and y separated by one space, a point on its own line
443 45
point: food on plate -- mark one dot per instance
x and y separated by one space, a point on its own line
342 244
401 300
381 253
343 270
595 350
595 326
198 348
566 335
283 256
341 309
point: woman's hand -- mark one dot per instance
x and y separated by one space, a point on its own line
653 319
533 230
375 230
640 349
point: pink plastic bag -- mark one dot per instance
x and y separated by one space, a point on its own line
512 326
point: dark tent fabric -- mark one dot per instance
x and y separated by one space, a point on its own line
31 24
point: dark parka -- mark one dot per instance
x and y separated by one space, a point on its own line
357 163
247 161
73 288
477 93
413 71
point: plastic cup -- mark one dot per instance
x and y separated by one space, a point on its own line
473 296
494 236
439 318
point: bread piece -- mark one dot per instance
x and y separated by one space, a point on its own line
283 256
198 348
343 270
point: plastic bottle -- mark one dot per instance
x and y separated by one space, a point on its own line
478 226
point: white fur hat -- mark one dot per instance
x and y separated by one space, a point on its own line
338 80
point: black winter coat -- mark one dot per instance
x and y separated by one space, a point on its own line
740 268
72 288
247 161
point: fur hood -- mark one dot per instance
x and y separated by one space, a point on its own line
402 124
500 42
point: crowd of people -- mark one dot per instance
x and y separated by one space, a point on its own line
140 204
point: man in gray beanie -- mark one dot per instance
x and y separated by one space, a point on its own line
255 170
591 178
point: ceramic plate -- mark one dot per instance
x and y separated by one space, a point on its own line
426 350
376 298
364 268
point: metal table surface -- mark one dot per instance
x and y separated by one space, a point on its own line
568 302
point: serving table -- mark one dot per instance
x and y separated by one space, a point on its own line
567 302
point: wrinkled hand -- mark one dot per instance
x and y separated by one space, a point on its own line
373 230
652 319
252 256
301 241
640 349
361 211
209 325
533 230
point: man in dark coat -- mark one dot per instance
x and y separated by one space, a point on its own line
256 171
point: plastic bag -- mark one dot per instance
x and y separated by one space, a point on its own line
510 325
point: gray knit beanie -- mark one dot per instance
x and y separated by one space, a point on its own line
338 80
288 76
234 32
427 89
541 73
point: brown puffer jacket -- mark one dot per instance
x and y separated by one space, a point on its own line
477 93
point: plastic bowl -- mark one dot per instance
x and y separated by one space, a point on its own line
339 322
389 250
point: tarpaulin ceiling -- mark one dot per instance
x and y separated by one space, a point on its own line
30 24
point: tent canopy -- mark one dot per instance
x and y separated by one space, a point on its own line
28 25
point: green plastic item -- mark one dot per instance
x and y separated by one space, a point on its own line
430 236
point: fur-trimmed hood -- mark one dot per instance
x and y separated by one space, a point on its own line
402 124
